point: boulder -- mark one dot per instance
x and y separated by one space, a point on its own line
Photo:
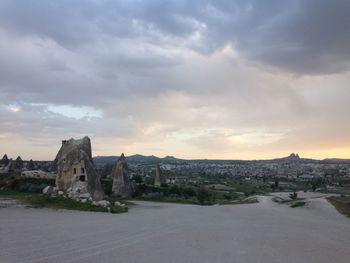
48 190
85 195
101 203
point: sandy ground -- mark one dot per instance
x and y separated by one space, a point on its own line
151 232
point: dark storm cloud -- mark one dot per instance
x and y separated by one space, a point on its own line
298 36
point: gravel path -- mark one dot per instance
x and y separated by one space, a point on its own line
153 232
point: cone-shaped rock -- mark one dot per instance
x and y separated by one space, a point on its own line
5 161
158 179
75 169
31 165
19 163
120 176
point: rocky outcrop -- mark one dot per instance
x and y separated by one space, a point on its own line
31 165
4 161
157 178
76 173
11 165
120 175
18 164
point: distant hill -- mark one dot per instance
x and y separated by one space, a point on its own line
151 159
336 160
137 158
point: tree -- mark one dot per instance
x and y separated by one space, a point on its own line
175 190
189 192
137 178
277 182
203 195
227 196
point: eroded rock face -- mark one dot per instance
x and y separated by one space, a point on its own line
120 176
75 170
19 162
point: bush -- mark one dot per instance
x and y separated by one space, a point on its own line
32 185
137 178
203 196
107 186
227 196
189 192
175 190
298 204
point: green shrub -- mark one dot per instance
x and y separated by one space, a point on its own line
203 195
298 204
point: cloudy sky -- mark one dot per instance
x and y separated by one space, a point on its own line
194 79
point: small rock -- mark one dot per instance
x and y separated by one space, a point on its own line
48 190
85 195
116 203
60 192
103 203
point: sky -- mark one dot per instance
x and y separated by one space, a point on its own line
192 79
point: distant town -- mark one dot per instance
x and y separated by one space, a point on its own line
292 167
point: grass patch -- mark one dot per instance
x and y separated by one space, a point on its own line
41 201
297 204
250 200
341 203
169 200
280 200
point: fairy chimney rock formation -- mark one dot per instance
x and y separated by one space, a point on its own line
31 165
75 170
5 160
120 176
158 179
19 163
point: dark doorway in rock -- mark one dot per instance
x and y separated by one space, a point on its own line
74 170
82 170
82 178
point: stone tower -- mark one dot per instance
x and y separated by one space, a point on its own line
75 169
157 178
120 176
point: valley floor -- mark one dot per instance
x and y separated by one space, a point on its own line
160 232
